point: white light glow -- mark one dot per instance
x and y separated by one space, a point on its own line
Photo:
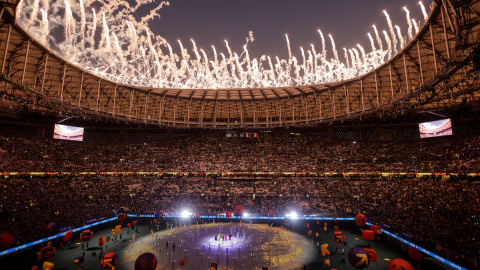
292 215
185 213
128 52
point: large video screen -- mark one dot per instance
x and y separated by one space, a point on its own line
436 128
71 133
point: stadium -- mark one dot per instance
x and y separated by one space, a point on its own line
118 153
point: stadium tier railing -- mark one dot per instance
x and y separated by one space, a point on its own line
44 240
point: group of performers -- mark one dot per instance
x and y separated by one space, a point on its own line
223 237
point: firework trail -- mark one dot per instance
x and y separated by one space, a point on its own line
409 21
205 62
289 49
296 68
303 57
105 34
372 43
323 42
132 37
400 37
247 57
424 12
239 66
181 49
142 51
94 29
392 32
149 38
228 49
314 57
353 60
272 71
83 21
45 6
195 50
215 57
68 18
33 15
389 44
346 57
415 25
185 58
118 49
379 40
364 55
310 62
18 11
44 26
357 57
334 48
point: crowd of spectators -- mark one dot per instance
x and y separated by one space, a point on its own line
440 216
214 152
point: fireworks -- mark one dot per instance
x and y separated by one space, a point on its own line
424 12
127 52
392 32
409 21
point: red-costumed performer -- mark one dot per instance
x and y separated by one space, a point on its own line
86 235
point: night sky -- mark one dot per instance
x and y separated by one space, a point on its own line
210 22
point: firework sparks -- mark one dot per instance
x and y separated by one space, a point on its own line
128 52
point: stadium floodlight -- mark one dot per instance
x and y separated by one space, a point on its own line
292 215
185 214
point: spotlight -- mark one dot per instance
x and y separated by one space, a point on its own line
292 215
245 214
185 214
